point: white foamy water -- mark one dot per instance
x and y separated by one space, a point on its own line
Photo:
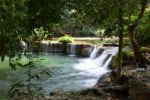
96 67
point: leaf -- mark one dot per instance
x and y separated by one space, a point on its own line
2 58
47 73
13 93
39 89
37 76
15 88
19 64
29 64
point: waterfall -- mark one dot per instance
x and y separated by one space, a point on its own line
72 49
105 58
111 52
45 46
96 66
94 53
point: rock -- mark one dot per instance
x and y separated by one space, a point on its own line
123 80
78 49
93 91
56 48
119 90
140 69
138 91
86 51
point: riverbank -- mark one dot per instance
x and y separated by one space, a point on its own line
133 85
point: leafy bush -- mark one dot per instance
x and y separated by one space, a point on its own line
127 54
126 41
86 34
144 49
39 34
99 33
114 61
65 39
143 31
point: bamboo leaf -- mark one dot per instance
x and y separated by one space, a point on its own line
37 76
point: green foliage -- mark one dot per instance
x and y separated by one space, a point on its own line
39 34
99 33
143 30
66 39
127 54
12 17
26 87
19 19
86 34
143 34
44 13
144 49
111 40
126 41
114 61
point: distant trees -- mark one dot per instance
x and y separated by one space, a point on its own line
18 19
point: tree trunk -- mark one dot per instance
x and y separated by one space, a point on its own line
140 59
120 24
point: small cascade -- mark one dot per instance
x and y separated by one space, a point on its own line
96 66
72 49
54 46
105 57
51 47
45 46
94 53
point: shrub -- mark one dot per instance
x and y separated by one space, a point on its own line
143 31
144 49
127 54
99 33
143 37
114 61
86 34
126 41
65 39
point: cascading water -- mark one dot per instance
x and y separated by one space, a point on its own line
72 49
69 72
45 46
94 53
96 67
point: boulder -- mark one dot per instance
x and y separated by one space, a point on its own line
86 51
